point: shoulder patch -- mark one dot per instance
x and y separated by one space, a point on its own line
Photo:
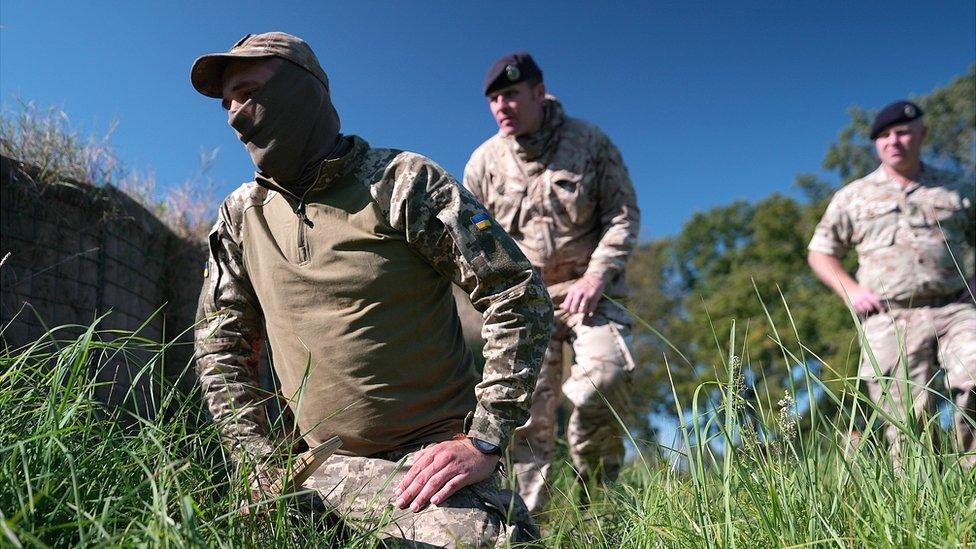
481 221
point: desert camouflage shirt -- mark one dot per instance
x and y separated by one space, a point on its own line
908 241
564 195
351 284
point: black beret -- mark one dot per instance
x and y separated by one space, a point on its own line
511 69
898 112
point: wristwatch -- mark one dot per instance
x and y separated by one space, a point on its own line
485 447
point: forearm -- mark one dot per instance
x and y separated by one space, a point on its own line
610 257
439 219
227 368
228 341
831 272
516 331
619 217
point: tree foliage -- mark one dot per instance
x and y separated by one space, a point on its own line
747 262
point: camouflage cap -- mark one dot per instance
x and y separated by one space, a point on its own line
208 69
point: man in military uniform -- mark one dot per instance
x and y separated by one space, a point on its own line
343 256
559 187
911 226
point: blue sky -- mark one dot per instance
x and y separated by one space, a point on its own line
708 101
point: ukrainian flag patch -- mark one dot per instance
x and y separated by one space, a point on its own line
481 221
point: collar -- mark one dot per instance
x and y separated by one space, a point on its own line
880 177
535 145
328 170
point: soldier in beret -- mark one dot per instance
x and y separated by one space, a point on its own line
559 187
911 225
326 253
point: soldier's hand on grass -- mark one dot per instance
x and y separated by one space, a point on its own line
440 470
866 302
584 295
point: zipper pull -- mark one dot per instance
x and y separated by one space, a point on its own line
300 211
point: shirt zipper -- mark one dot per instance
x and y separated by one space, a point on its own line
303 220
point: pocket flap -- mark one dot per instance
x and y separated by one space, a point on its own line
949 202
877 209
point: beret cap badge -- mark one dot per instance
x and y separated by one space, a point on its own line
512 72
898 112
511 69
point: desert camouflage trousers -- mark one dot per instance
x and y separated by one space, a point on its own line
908 346
598 377
360 491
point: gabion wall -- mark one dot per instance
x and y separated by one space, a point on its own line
77 252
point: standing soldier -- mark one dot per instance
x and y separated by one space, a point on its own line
911 225
559 187
326 254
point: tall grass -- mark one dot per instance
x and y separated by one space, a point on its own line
761 483
72 474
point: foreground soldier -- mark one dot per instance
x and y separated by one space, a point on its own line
559 187
910 224
344 255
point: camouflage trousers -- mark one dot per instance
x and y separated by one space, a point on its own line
360 491
601 366
909 345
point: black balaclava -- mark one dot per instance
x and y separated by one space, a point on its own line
288 127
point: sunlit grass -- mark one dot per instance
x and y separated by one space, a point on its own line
762 483
72 473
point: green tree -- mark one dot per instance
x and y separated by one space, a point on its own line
950 114
730 261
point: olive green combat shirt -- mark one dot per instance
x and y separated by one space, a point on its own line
351 286
564 195
908 241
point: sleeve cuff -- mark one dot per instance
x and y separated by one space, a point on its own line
489 429
826 247
604 272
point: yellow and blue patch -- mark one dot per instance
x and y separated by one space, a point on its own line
481 221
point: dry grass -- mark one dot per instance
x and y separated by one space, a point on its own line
45 138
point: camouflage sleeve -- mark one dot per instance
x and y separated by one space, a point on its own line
833 234
228 338
619 214
446 225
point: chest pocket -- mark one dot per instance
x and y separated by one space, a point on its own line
946 213
875 225
506 202
572 196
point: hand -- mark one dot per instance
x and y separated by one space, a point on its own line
259 483
440 470
584 295
866 302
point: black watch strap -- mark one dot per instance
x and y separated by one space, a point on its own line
486 447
